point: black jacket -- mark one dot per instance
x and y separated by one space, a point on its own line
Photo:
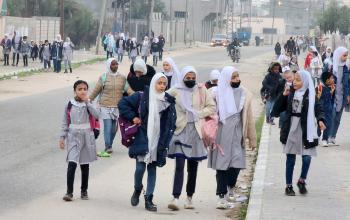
128 109
271 85
138 83
284 103
117 44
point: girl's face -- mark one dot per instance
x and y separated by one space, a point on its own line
81 91
166 67
161 84
330 81
298 83
276 69
344 57
114 66
235 77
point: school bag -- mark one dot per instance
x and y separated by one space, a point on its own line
94 122
128 129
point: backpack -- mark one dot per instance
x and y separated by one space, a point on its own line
94 122
128 129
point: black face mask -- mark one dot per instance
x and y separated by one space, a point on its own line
190 83
235 84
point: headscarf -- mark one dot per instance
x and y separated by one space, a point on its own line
187 93
133 40
58 38
174 72
145 41
155 40
225 95
314 49
214 75
328 55
109 62
153 123
140 65
66 44
308 85
336 59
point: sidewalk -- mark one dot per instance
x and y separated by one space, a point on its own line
328 182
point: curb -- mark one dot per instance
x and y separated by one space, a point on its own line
256 194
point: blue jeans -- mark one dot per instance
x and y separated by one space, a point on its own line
110 129
268 107
56 65
290 167
151 178
336 122
283 119
120 57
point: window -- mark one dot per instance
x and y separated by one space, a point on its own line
180 14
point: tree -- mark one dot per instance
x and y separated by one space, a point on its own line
334 18
138 9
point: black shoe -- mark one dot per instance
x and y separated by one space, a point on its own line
290 191
84 196
135 198
65 71
68 197
149 204
70 70
302 188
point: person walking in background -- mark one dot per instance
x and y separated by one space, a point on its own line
16 45
110 45
47 55
270 86
56 53
145 49
134 49
6 47
140 75
40 48
25 50
161 46
155 48
120 45
68 48
34 50
171 71
278 49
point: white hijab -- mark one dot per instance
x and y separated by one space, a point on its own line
187 93
58 38
336 59
214 75
145 41
153 123
66 44
174 72
155 40
328 55
308 84
225 95
109 62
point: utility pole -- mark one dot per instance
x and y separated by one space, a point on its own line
217 16
308 17
62 18
100 25
171 23
240 15
186 18
232 16
150 16
273 19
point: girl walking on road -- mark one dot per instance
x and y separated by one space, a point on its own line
110 88
171 71
154 111
79 139
145 49
235 127
193 103
68 47
299 131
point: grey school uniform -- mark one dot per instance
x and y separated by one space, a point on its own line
294 143
229 138
80 139
145 50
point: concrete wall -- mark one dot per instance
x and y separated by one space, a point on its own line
36 28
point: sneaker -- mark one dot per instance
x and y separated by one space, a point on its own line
189 203
174 205
68 197
324 143
103 154
84 196
302 188
109 150
230 197
332 141
135 198
222 203
289 191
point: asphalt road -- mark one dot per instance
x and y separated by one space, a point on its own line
31 164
